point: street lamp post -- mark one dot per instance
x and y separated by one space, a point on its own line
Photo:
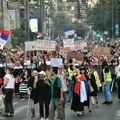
42 12
27 29
112 22
1 14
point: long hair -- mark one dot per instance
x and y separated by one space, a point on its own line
104 64
11 70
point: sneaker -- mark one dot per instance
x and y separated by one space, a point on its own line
46 119
81 113
109 102
41 118
105 102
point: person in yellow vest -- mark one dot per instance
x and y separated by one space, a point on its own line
106 84
71 79
92 82
98 82
117 71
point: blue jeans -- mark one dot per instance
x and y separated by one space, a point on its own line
70 90
106 91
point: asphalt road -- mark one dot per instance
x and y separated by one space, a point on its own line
101 112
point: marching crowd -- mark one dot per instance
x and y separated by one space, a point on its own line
74 82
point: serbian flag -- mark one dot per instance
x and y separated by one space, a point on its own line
4 35
69 32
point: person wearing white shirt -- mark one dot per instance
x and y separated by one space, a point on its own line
62 76
9 83
117 71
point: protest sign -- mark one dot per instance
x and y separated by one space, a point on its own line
101 51
77 56
48 62
40 45
69 43
64 51
56 62
27 62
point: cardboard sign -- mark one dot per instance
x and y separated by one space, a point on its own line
69 43
64 51
77 56
56 62
101 51
40 45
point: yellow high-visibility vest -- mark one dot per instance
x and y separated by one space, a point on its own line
109 78
97 80
70 71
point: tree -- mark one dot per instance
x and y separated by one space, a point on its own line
18 36
59 22
81 28
103 12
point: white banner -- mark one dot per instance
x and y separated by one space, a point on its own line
69 43
40 45
56 62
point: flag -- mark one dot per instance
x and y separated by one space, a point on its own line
4 35
69 31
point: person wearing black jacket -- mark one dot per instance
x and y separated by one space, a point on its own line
32 91
43 90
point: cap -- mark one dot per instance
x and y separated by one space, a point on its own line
82 68
42 73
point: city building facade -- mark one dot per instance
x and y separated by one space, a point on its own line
70 8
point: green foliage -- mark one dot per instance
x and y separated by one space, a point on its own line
81 28
18 36
59 22
101 15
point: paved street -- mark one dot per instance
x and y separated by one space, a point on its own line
103 112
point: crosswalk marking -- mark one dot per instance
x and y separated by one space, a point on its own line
15 103
20 109
22 99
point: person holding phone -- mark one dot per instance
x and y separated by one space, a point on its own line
43 88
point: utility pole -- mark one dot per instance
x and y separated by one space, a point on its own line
27 28
1 14
112 23
78 10
42 12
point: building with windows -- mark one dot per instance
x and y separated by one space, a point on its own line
70 8
14 13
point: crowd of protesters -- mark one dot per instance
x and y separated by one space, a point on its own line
75 82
